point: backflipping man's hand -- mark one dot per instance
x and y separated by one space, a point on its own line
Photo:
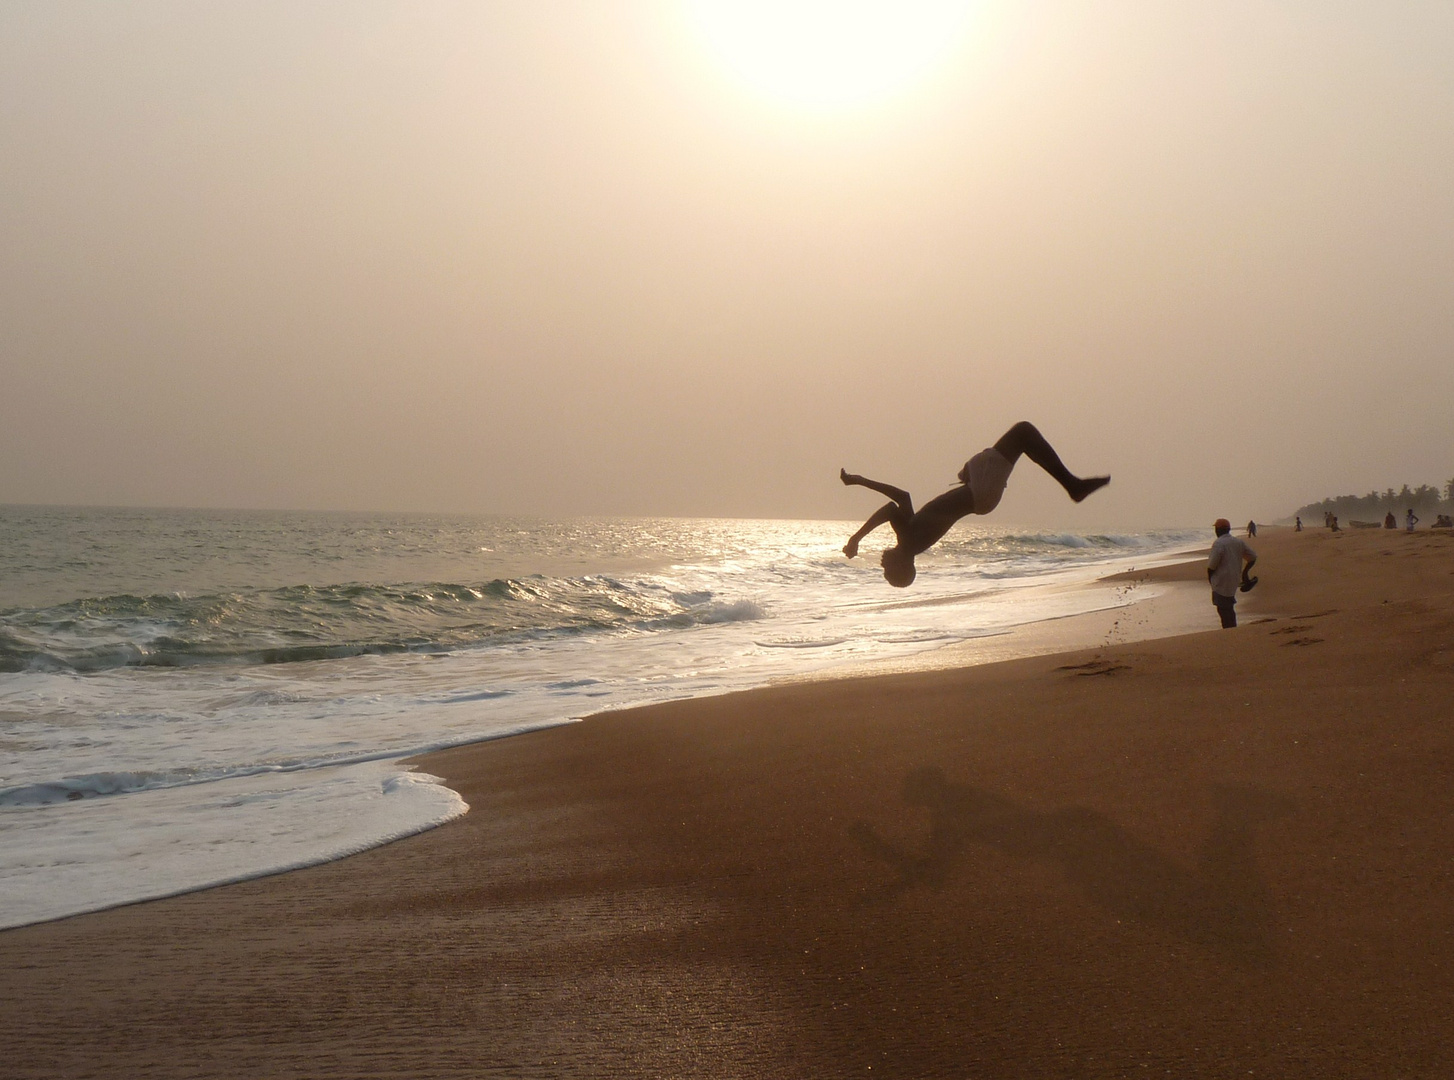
851 548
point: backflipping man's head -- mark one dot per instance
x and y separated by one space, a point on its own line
898 567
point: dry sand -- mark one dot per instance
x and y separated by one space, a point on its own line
1224 854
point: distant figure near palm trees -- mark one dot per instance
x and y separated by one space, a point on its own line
982 483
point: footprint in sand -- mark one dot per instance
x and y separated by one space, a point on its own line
1094 667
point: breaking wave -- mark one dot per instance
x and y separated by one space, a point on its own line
303 623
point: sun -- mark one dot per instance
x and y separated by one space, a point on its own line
829 55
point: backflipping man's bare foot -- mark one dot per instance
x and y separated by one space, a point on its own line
843 475
1084 486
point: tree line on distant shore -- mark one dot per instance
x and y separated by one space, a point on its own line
1423 500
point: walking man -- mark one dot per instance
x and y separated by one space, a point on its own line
1227 568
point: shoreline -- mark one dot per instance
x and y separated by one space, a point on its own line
1139 613
1142 854
1170 608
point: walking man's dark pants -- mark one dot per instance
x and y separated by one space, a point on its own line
1227 609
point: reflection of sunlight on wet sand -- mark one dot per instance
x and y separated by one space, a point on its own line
933 601
1166 609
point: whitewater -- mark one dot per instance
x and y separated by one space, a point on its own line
189 698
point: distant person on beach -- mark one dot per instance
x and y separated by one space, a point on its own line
1389 521
1227 566
1333 522
1297 524
1411 520
1443 521
1252 528
981 483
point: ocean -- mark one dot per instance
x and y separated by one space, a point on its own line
191 697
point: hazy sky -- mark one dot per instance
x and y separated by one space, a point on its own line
569 258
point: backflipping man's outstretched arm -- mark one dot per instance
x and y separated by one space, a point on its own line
883 514
902 508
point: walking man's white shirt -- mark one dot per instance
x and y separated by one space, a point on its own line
1225 562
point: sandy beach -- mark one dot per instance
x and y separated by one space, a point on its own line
1209 855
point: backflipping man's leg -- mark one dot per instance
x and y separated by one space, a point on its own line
1025 438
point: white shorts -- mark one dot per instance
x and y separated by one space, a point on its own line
988 472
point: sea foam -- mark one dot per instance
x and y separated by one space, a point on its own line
75 859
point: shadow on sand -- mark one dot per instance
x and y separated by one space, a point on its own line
1222 903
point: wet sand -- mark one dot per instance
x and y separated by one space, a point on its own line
1214 855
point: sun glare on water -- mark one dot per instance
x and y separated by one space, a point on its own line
824 56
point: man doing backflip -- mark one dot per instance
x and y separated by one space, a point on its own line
982 482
